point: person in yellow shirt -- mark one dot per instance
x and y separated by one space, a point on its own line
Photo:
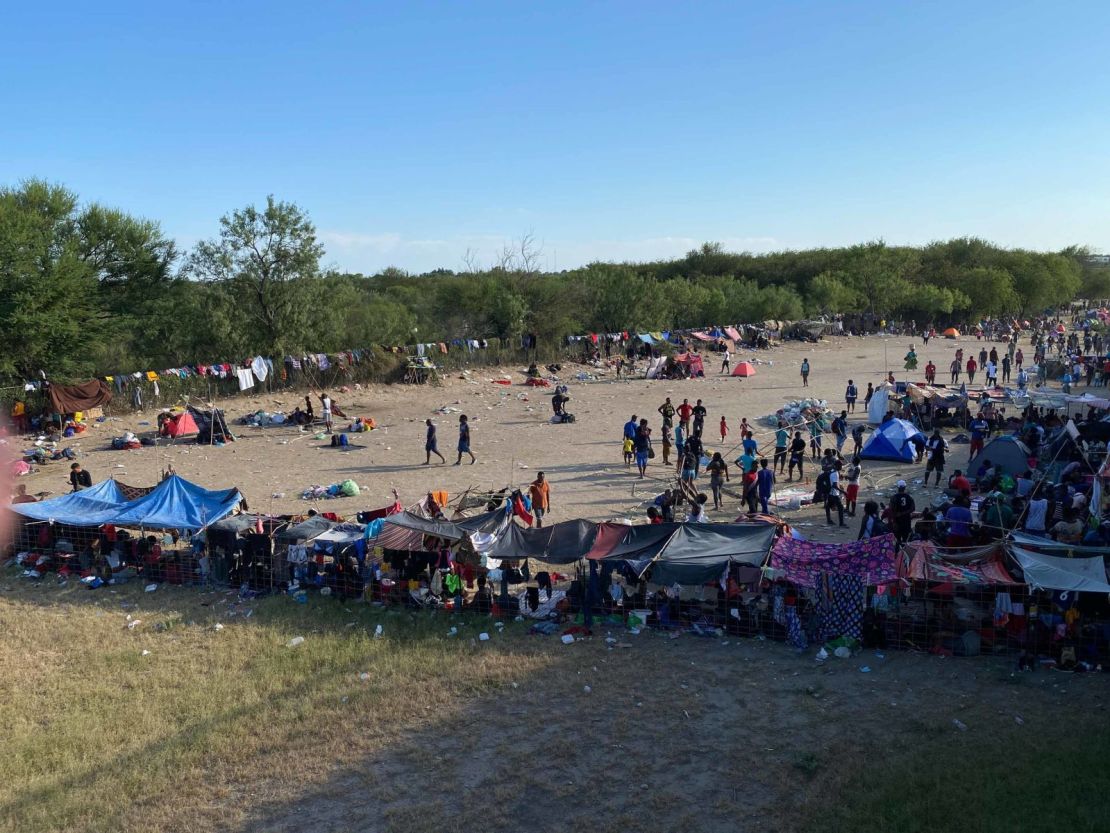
540 490
19 417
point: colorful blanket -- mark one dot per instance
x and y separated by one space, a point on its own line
980 565
873 562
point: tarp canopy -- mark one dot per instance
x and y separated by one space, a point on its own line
892 441
1009 453
878 406
978 565
691 553
646 338
304 531
481 530
68 399
874 561
744 369
561 543
175 503
700 336
732 333
1054 573
90 507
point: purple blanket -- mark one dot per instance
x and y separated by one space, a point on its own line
873 562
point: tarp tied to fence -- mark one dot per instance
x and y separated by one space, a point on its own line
873 562
1051 572
978 565
68 399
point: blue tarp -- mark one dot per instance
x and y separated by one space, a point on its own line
646 339
175 503
892 441
90 507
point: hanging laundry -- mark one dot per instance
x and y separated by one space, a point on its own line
246 378
258 366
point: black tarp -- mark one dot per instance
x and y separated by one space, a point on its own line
304 531
561 543
692 553
488 523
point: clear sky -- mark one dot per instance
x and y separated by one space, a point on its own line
413 131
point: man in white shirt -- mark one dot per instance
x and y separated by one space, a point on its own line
726 359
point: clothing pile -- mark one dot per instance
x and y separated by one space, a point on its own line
348 488
799 412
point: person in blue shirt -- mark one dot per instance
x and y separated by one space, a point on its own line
765 483
630 428
679 443
959 520
850 395
979 428
782 440
749 444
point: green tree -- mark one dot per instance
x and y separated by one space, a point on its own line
269 259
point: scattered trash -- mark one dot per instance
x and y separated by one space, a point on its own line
145 654
483 637
843 652
364 676
586 689
378 631
865 669
1018 720
217 627
822 655
150 588
959 724
568 638
134 623
294 642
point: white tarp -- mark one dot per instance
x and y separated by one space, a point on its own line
878 406
1052 573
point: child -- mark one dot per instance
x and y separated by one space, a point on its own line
628 452
851 494
724 429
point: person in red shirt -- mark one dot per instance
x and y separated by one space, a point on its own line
930 373
972 366
684 412
958 483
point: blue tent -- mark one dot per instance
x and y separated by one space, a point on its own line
175 503
90 507
892 440
178 504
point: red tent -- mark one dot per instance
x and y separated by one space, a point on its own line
180 425
744 369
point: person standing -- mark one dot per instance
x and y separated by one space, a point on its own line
464 441
724 429
726 360
684 411
797 456
971 368
679 443
850 394
431 445
954 369
540 491
851 493
1005 369
782 440
902 508
79 478
869 395
930 373
937 448
833 498
765 485
699 412
1019 359
805 373
666 410
665 436
857 438
325 407
694 445
815 439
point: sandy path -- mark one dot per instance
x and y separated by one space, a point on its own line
511 436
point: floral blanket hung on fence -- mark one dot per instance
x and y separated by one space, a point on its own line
873 562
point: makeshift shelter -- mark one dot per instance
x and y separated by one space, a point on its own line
879 405
951 332
561 543
1007 452
690 553
744 369
211 426
94 506
921 561
68 399
893 440
180 425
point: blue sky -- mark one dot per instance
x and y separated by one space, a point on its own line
412 132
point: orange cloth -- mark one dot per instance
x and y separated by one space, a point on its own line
541 494
440 498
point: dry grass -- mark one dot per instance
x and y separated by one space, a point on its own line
231 730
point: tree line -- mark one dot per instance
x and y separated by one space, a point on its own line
91 290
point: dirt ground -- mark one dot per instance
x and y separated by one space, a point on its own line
513 438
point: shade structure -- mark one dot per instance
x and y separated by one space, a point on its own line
951 332
90 507
744 369
893 440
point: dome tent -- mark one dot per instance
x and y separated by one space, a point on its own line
951 332
744 369
893 440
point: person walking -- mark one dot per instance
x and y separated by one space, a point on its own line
833 498
850 394
971 368
464 441
540 492
805 373
724 429
851 493
840 430
765 485
431 446
1005 369
902 508
718 476
643 447
937 448
726 360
